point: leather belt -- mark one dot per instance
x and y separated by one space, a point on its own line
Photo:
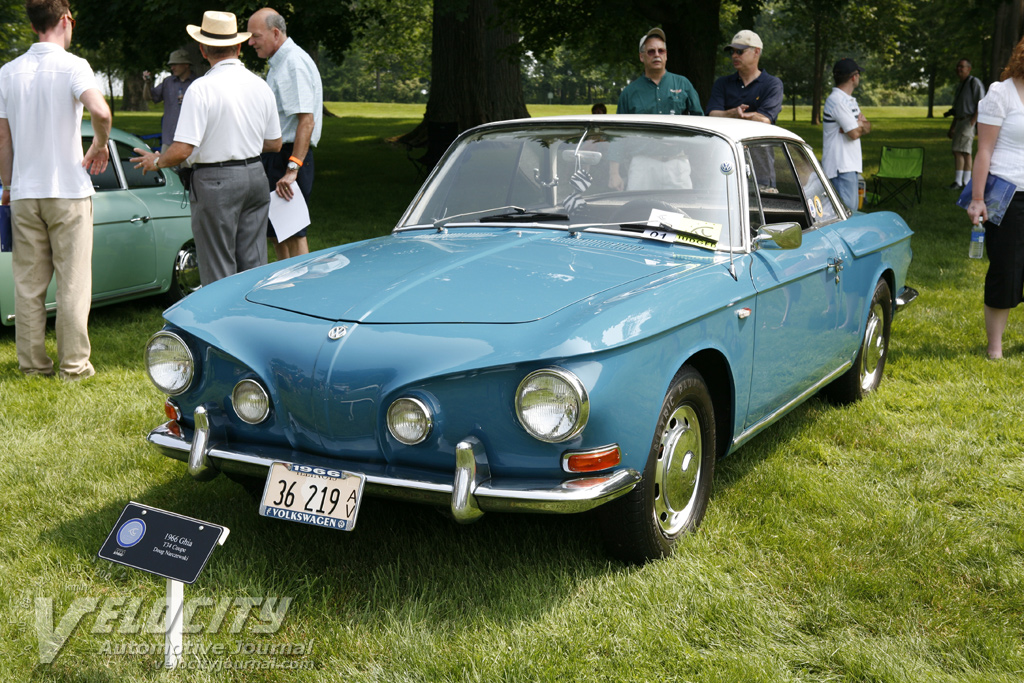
230 162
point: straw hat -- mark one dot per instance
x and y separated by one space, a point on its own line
219 28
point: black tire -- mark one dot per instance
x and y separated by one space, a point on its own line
866 373
184 274
673 495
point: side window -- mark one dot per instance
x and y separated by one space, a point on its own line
104 181
135 178
753 197
777 184
819 204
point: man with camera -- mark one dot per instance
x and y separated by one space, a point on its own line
965 115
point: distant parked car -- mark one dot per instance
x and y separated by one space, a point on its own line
530 338
142 239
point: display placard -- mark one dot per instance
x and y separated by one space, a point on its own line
162 542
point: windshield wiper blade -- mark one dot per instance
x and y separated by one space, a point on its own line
522 215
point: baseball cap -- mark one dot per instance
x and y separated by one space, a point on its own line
656 32
745 39
845 67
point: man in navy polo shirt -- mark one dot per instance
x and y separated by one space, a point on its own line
750 93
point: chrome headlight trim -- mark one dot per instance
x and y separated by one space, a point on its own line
408 404
577 413
172 388
249 392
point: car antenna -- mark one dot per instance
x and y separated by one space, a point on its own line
726 169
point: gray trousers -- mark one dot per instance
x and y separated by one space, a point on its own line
230 205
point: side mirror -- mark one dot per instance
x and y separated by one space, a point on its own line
783 235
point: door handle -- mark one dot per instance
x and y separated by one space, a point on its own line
139 219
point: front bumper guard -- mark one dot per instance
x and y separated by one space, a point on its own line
469 493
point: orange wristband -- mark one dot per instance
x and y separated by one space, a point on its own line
296 160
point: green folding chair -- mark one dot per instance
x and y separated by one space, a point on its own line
900 176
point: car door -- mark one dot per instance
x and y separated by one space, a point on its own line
799 298
124 242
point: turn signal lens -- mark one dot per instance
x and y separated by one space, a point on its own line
592 461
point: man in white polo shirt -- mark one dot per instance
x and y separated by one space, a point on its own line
843 126
46 180
228 117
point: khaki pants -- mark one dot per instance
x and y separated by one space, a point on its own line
53 235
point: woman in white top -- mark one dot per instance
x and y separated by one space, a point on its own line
1001 153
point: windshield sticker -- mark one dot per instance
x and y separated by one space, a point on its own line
818 208
685 230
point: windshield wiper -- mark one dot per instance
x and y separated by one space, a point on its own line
522 215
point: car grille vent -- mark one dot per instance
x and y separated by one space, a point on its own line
602 244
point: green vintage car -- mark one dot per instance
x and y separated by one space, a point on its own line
142 241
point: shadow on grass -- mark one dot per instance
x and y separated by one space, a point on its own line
504 568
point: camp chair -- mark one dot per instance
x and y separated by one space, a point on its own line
900 176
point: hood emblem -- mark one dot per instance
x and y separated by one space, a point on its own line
337 332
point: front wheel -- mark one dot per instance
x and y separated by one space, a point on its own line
866 373
184 275
673 496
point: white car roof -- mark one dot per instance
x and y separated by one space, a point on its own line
734 129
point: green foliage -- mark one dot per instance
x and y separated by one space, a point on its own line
878 542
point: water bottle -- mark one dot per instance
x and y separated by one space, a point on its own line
977 240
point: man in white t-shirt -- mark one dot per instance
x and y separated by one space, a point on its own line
228 118
842 129
46 181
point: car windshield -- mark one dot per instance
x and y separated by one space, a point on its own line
587 176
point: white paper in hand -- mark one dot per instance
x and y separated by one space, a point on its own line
288 216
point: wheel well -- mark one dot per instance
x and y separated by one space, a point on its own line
714 368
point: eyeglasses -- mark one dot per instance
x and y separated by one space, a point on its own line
656 51
72 20
738 51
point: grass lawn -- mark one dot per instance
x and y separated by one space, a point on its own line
878 542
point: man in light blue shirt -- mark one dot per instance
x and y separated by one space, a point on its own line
299 92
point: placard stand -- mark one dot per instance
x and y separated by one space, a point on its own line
175 609
169 545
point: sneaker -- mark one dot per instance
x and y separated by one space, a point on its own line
955 186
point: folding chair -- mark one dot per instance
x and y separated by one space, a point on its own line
900 176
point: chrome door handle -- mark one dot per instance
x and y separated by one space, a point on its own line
139 219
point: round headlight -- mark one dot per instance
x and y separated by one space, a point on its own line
169 363
250 401
410 421
552 405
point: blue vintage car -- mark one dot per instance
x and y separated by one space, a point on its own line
573 313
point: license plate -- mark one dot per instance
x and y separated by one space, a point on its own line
320 496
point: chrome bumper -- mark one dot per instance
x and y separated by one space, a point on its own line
470 491
905 298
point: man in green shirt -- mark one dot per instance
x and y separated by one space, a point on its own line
656 92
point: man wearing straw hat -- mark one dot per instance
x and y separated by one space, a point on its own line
228 117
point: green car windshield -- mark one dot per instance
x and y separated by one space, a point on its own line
579 176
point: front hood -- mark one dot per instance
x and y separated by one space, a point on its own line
486 276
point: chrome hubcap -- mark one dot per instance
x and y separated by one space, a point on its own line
186 270
873 351
678 469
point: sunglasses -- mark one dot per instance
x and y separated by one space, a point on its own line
738 51
72 20
656 51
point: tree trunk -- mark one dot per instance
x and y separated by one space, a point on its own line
933 69
501 54
818 85
134 93
692 37
1009 25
